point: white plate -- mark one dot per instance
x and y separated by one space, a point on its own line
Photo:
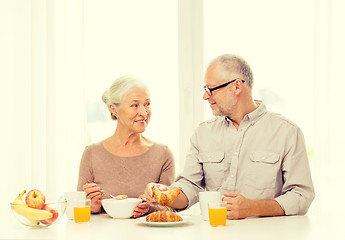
185 219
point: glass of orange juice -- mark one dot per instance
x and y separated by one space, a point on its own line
217 213
82 211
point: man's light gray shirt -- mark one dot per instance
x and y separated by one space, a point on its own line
265 158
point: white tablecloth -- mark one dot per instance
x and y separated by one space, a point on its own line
103 227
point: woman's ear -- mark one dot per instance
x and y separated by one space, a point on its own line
113 109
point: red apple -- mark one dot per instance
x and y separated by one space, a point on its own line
35 199
55 213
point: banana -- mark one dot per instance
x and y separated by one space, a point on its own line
32 214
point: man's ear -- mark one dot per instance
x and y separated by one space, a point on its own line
238 86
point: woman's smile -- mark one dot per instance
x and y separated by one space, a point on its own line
141 121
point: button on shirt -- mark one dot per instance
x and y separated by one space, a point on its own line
265 158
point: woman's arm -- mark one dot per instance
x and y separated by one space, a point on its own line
167 175
85 182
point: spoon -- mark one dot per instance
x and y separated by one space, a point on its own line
112 196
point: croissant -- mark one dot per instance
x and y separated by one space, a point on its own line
165 198
163 216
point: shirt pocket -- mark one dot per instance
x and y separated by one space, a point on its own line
213 168
263 169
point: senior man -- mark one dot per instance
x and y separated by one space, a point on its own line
256 158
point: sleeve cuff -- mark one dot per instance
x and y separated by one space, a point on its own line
191 192
289 203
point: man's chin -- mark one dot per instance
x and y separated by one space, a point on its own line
216 113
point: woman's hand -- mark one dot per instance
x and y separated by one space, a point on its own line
148 192
94 193
142 207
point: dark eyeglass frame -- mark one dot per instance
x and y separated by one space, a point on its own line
210 90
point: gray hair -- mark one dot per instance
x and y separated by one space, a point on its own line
232 64
119 89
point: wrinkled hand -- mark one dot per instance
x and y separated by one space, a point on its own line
238 207
148 192
142 207
94 193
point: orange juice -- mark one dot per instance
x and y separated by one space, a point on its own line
217 216
82 214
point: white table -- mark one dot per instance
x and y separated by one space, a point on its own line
103 227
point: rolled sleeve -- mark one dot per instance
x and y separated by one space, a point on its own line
189 189
292 204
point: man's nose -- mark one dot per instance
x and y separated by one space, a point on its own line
206 96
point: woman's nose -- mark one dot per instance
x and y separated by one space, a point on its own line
142 111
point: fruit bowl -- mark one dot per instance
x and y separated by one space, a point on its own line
50 213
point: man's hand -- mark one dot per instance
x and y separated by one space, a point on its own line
148 192
239 207
94 193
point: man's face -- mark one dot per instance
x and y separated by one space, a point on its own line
222 101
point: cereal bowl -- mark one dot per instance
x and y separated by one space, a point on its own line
120 208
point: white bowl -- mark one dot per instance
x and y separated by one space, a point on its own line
120 208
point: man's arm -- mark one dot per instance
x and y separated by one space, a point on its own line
298 191
239 207
181 202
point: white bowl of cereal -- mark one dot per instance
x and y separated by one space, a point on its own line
123 208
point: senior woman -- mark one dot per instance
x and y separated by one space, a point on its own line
126 162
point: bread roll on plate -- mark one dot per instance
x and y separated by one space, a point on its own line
163 216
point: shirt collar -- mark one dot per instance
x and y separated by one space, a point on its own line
252 117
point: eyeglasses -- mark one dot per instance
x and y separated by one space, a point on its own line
210 90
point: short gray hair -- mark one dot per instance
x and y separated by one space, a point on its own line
119 89
235 65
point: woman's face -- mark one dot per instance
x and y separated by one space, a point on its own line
134 112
